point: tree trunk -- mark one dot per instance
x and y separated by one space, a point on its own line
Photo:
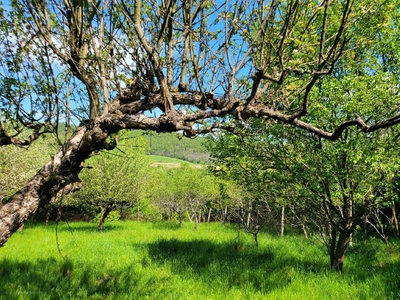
303 226
395 221
224 215
283 221
209 215
255 234
351 215
180 218
189 217
105 212
196 220
337 259
366 221
304 230
332 245
249 216
58 176
47 217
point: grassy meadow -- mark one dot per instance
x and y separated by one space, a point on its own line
139 260
163 161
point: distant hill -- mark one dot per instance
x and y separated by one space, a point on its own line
170 145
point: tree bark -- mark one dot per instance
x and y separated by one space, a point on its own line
255 234
332 246
395 221
58 176
337 259
196 219
248 219
224 215
180 218
189 217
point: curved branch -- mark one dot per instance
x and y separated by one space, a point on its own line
6 139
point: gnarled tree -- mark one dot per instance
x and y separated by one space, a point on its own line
105 64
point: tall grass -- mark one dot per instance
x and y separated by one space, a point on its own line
132 260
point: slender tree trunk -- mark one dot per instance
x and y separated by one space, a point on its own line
209 215
332 245
105 212
196 219
224 215
304 230
249 215
47 217
351 215
395 221
255 234
303 226
366 224
283 221
67 113
189 217
180 218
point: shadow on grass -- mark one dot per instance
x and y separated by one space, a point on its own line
370 257
57 279
166 225
391 277
89 227
216 265
234 264
64 226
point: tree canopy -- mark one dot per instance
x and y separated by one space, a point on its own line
115 179
192 67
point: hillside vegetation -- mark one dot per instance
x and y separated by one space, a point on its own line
172 145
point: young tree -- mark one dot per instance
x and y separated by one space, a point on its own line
337 175
115 179
334 185
192 60
185 189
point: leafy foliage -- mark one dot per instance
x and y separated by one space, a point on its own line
185 189
109 183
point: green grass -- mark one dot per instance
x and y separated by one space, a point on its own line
132 260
